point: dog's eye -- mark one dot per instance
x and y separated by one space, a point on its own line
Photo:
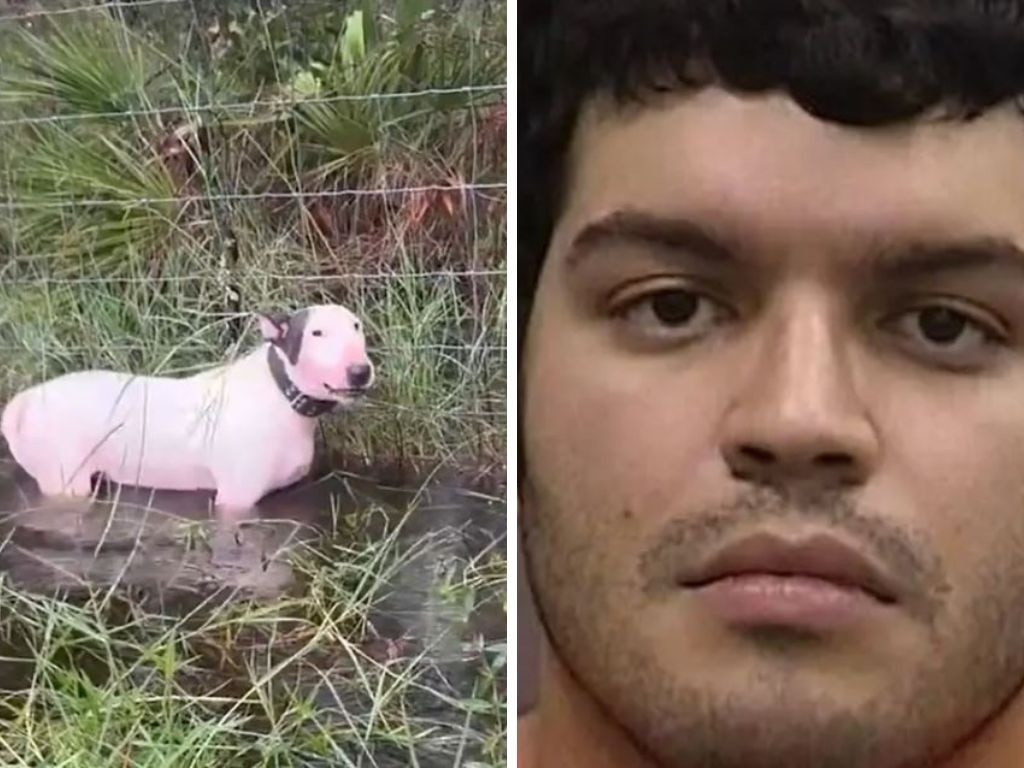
318 333
357 326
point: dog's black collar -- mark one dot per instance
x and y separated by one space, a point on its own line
302 404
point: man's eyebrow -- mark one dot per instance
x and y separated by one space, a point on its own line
920 260
632 227
889 261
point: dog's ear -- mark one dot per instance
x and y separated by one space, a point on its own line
285 331
273 326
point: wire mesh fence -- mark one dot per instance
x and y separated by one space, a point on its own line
170 167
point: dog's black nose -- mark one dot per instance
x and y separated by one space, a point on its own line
358 375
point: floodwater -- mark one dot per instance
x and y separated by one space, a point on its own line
140 537
168 547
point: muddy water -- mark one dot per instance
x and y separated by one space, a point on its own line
171 543
167 547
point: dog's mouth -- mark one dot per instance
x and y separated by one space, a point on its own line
352 393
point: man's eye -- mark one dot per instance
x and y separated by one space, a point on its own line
675 307
948 333
671 314
942 325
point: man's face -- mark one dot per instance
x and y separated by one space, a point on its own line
752 322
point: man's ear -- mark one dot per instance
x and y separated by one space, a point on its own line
273 326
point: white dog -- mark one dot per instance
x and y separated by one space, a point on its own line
242 429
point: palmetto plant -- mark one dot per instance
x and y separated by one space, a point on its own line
88 183
92 199
94 67
419 49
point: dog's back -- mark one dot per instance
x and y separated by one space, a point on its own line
133 428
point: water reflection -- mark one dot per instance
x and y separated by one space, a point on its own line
170 543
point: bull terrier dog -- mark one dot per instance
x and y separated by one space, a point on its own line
242 429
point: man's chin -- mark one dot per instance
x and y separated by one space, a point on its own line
767 710
771 667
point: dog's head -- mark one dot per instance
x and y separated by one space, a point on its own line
324 350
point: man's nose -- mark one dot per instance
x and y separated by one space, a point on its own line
797 417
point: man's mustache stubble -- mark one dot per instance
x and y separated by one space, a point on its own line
686 541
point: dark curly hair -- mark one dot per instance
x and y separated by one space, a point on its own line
857 62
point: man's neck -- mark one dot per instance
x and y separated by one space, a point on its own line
568 730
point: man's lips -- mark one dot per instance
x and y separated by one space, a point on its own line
821 557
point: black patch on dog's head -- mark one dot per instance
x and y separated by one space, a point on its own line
291 343
292 327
